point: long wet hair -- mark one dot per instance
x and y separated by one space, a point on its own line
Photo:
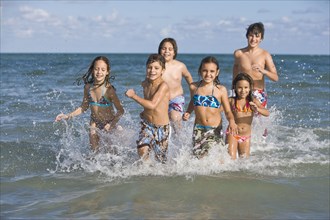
210 59
170 40
88 77
240 77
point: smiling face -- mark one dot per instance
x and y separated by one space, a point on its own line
167 51
209 72
154 71
242 89
254 39
100 71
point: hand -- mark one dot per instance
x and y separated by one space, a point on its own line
61 116
254 106
186 116
130 93
257 67
232 128
107 127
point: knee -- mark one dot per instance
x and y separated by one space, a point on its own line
143 150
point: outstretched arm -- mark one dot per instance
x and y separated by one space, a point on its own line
83 107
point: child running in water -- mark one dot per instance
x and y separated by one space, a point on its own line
243 106
155 128
173 74
207 97
100 96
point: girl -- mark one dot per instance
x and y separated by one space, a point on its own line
243 107
207 96
100 96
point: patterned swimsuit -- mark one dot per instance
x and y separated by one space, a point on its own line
204 137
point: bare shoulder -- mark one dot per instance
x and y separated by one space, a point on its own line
239 52
268 56
263 51
110 88
221 88
179 64
144 83
164 85
194 85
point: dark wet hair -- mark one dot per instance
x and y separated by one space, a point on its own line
256 28
172 41
156 58
244 76
210 59
88 77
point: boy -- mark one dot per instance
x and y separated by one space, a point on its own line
255 61
154 133
173 74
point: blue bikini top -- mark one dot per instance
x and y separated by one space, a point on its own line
103 102
206 101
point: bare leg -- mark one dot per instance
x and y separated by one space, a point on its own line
244 149
232 146
176 118
94 138
143 152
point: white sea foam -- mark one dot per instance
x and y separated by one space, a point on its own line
283 152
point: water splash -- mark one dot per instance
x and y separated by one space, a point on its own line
285 152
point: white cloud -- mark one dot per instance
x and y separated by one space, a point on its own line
34 14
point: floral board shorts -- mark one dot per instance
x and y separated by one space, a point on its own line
261 95
176 104
156 137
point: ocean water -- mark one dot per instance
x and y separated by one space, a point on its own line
45 173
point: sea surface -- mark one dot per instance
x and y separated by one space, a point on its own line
46 172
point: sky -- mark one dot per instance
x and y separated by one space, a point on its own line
214 27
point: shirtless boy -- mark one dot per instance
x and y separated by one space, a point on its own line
154 133
173 74
256 62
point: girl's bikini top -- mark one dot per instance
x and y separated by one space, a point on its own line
103 102
237 108
206 101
